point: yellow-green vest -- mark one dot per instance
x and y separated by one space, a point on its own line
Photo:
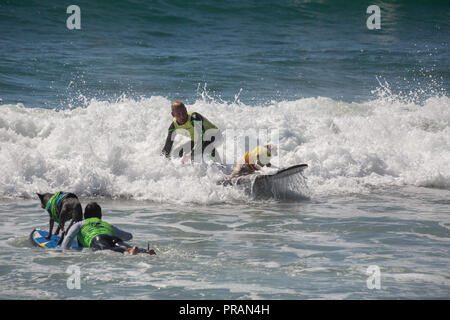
259 153
91 228
189 126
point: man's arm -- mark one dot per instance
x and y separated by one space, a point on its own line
73 232
169 142
206 124
123 235
197 118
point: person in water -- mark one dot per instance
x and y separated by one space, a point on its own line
100 235
254 160
193 125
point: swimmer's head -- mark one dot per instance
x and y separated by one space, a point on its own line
92 210
179 112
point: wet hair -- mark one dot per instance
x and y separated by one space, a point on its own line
178 104
92 210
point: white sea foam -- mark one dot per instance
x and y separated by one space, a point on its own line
113 148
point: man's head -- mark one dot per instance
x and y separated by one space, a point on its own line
92 210
179 112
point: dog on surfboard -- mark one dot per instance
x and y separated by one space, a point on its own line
62 207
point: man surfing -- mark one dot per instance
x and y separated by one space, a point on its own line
198 128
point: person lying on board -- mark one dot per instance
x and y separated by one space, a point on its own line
195 126
100 235
254 160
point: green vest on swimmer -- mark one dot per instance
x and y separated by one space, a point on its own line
91 228
188 128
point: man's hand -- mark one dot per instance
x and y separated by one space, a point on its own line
186 158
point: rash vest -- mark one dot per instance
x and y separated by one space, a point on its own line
91 228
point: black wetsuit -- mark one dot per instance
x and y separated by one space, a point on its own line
105 242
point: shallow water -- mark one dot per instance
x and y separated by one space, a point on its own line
318 248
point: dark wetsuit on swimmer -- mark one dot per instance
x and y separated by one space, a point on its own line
189 129
107 242
98 235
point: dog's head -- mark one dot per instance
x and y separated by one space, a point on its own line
45 197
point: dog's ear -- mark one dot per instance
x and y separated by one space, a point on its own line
41 197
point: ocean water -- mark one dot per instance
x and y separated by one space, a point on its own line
87 111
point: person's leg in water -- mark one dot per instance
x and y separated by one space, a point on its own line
119 245
107 242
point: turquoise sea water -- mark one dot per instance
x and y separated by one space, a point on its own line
87 111
281 50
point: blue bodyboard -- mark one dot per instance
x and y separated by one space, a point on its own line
37 238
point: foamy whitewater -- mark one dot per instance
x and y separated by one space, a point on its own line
113 149
375 194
